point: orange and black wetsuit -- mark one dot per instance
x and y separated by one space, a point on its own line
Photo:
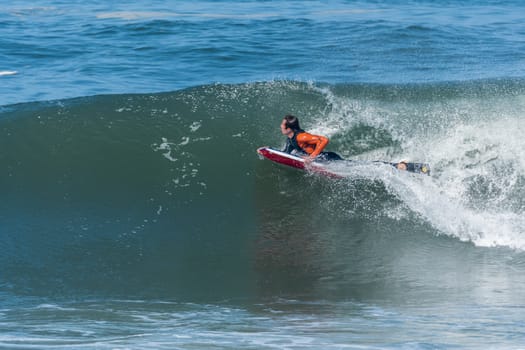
308 144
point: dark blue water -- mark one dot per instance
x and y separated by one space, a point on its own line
81 48
136 214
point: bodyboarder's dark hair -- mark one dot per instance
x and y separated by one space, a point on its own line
292 122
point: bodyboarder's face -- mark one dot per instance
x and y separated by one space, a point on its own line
284 129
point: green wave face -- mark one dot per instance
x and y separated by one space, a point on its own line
163 194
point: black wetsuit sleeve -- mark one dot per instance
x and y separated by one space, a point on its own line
288 147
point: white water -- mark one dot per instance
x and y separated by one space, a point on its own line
476 155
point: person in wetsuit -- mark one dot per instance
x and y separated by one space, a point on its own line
305 144
310 146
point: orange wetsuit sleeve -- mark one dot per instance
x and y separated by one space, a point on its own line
312 144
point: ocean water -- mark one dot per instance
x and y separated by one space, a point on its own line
135 212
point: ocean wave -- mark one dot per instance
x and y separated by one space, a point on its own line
135 181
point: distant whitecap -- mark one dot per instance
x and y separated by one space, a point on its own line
7 72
